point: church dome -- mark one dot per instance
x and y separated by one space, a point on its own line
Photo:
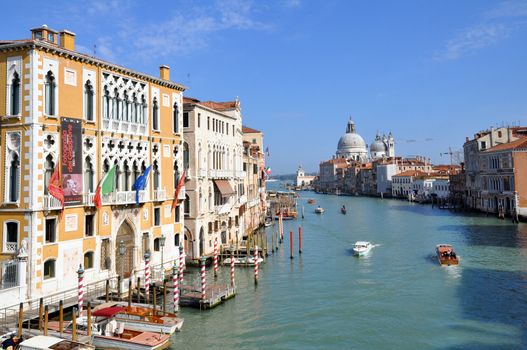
377 145
351 144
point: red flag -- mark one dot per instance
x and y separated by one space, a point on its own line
97 199
55 186
178 188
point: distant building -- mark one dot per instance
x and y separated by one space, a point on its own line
303 180
382 147
351 145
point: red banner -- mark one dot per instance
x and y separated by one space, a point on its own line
71 136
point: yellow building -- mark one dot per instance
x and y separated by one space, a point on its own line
58 104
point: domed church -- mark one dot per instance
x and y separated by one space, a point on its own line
382 146
351 145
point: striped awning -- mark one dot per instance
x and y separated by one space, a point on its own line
225 188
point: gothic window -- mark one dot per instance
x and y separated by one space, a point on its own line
106 104
126 108
50 87
88 101
89 174
126 174
49 167
156 175
115 105
118 181
15 95
14 177
155 115
175 117
144 107
134 108
135 171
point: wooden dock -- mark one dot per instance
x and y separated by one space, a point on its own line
215 295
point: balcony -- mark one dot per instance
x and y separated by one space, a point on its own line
223 209
123 126
202 172
124 197
11 248
51 203
242 200
160 194
219 174
88 199
241 174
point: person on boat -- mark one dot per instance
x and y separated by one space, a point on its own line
343 207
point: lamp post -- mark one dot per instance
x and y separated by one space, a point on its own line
122 251
162 245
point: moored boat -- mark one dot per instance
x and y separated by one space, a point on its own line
108 333
243 261
311 201
361 248
139 318
319 210
446 255
44 342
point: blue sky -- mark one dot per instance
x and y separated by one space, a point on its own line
432 72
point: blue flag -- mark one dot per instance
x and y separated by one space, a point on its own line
140 183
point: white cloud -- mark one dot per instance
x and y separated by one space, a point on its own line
495 25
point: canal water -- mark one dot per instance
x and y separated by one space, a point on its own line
395 298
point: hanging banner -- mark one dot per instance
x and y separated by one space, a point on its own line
71 136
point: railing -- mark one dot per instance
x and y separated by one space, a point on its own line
202 172
160 194
8 274
123 197
51 202
218 173
11 247
88 199
123 126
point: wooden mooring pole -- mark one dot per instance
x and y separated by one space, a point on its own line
107 290
89 320
61 316
154 299
272 241
130 291
164 296
40 312
74 324
299 239
138 288
20 319
46 314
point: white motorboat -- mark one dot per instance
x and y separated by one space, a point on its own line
43 342
319 210
361 248
243 261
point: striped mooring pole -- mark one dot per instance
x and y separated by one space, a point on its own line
232 269
147 276
216 258
181 263
291 244
175 279
203 278
255 264
80 273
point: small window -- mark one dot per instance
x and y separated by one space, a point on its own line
176 239
51 230
157 216
15 95
155 114
499 133
175 117
178 215
199 120
185 120
208 123
254 141
49 269
157 245
255 169
88 260
88 225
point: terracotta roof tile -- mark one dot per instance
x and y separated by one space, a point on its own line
220 106
520 143
410 173
248 130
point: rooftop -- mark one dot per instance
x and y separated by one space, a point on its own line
518 144
248 130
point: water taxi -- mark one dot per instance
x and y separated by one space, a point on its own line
319 210
361 248
446 255
44 342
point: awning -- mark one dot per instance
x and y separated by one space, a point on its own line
225 187
108 311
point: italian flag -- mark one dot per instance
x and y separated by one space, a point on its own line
105 186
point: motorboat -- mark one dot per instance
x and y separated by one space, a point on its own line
446 255
139 318
45 342
109 333
319 210
361 248
311 201
243 261
343 210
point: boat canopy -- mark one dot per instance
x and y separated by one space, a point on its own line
108 311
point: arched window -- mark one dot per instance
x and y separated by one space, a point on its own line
175 117
50 86
106 104
135 171
155 114
155 168
126 107
15 95
49 167
176 174
49 269
115 105
88 101
144 107
134 108
126 174
117 177
176 239
187 205
88 260
88 175
14 175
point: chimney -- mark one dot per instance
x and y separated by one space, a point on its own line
164 72
67 40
